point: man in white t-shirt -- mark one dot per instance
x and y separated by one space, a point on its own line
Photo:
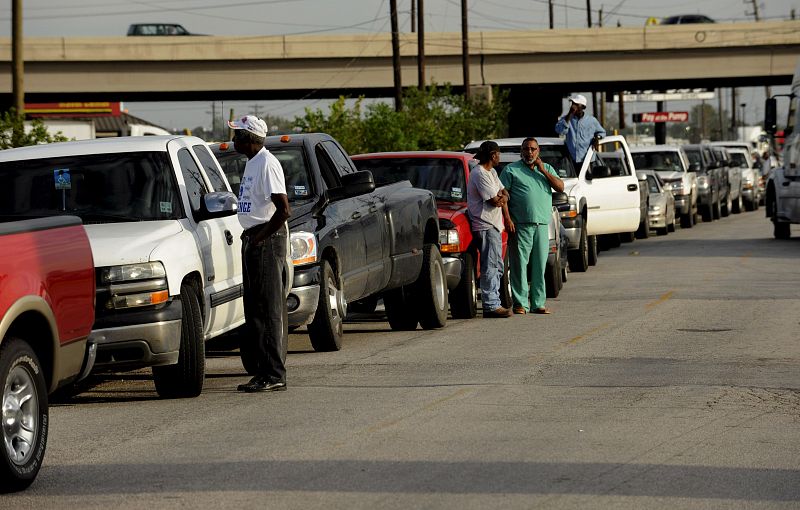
263 211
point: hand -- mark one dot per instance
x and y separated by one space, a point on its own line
573 109
510 226
595 145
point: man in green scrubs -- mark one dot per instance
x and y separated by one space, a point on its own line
529 183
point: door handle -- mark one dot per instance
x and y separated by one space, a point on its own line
228 237
356 215
373 207
633 187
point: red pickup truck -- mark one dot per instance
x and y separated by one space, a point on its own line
446 175
47 287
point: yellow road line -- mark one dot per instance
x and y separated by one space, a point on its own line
658 301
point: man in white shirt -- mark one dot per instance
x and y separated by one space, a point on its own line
263 211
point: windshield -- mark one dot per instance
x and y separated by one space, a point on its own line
295 171
660 161
694 157
652 184
444 177
554 155
100 188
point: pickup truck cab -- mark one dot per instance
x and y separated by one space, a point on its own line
712 181
672 166
732 198
351 240
47 290
162 223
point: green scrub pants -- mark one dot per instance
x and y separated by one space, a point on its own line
529 247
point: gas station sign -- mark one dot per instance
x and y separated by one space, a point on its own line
661 117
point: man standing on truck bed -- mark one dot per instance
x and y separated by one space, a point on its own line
263 211
581 129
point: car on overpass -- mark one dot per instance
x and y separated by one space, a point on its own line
158 29
683 19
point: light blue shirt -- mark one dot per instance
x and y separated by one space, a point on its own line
580 132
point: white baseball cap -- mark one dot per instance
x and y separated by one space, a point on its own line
250 123
578 99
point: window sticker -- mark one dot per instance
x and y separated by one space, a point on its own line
165 207
62 179
300 191
456 192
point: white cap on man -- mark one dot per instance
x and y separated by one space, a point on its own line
250 123
578 99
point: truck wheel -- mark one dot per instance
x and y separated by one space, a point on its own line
737 205
629 237
327 328
591 242
716 213
506 300
687 220
579 259
643 232
185 378
397 303
707 214
727 206
464 298
25 416
431 290
552 277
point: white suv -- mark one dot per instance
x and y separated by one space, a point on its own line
672 165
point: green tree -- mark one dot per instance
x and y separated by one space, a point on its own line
13 134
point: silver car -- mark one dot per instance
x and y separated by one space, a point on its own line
661 211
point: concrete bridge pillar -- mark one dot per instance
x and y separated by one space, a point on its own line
534 110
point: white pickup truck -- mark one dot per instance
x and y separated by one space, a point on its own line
161 220
672 165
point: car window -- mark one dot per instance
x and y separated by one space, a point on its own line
207 160
295 171
340 161
652 184
444 177
327 168
99 188
738 160
195 186
694 156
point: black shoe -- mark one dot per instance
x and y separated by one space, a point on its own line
262 384
256 380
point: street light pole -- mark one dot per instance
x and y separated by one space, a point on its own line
17 58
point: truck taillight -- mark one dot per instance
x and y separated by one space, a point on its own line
449 241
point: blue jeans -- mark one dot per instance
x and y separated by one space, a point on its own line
491 254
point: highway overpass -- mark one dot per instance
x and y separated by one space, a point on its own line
541 63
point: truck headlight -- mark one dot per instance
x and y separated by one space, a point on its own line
135 285
449 241
569 210
303 247
655 208
678 188
702 182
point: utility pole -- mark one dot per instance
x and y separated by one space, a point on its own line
398 86
465 47
550 10
413 16
18 66
734 100
757 17
589 13
421 43
720 114
602 94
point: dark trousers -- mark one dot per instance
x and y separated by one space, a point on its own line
265 305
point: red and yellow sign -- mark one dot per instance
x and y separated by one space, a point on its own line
74 109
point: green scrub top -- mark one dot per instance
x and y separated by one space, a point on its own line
530 194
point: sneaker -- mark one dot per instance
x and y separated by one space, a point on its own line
499 313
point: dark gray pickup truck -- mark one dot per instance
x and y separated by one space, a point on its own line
351 240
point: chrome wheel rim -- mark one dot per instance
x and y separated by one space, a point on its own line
20 415
439 286
336 304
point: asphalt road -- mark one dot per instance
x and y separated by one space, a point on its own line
667 377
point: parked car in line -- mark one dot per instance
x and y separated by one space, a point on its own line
47 289
165 240
742 159
732 201
619 166
711 180
582 251
671 164
446 175
157 29
351 240
661 211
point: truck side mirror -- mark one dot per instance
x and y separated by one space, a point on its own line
771 116
560 198
218 204
358 183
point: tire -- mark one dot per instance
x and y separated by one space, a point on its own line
506 300
327 328
25 415
726 208
398 304
750 205
643 232
579 258
781 230
552 279
591 242
707 214
464 298
185 378
716 213
737 205
671 226
430 290
662 231
628 237
687 220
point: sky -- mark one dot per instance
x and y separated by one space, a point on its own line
82 18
